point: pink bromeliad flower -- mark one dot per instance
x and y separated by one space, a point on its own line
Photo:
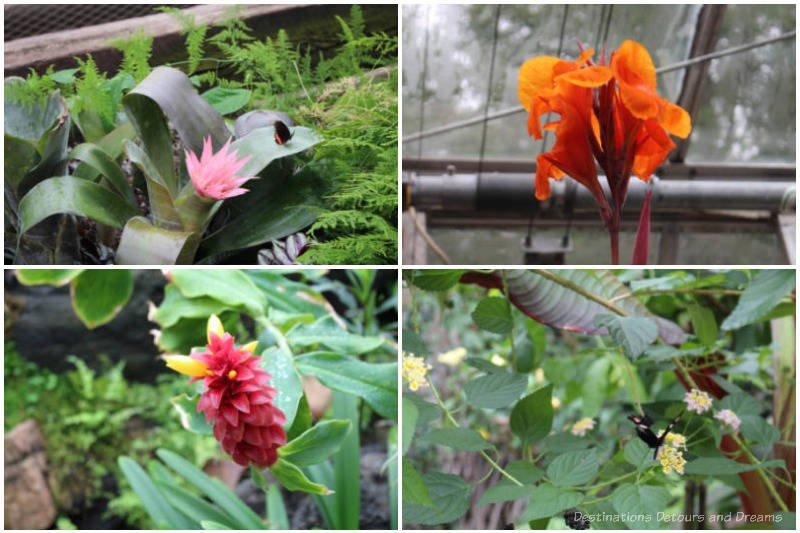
214 175
236 398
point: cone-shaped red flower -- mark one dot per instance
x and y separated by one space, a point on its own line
236 398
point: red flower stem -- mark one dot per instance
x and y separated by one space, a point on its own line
613 233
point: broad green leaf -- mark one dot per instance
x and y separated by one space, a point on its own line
563 442
94 156
427 411
280 366
758 430
560 306
532 416
415 491
436 279
19 157
152 500
302 419
214 489
292 478
499 389
167 93
99 295
260 145
573 468
229 286
276 510
451 499
492 314
760 297
160 196
547 501
634 334
50 276
638 454
210 525
375 382
194 506
190 418
347 464
317 443
523 471
458 439
227 100
278 204
75 196
410 413
144 244
332 337
717 466
504 493
640 503
413 343
176 306
186 334
741 404
704 324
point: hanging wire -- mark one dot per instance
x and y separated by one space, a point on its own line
669 68
424 78
535 205
600 20
489 92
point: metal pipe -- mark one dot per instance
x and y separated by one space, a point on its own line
669 68
511 192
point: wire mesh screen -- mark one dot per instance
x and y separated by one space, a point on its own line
25 20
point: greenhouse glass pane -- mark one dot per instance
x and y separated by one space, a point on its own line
590 247
748 108
459 51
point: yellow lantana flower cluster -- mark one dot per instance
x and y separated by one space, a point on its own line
671 459
414 370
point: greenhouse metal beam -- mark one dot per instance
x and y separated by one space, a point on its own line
695 77
770 171
513 193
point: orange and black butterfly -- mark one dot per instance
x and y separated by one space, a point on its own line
282 133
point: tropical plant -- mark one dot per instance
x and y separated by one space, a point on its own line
549 363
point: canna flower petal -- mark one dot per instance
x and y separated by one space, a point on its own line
215 175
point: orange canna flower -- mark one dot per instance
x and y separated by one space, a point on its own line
609 115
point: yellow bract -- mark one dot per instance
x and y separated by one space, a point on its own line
186 365
215 327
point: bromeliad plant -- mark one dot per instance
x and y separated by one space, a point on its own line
607 434
181 201
610 115
249 396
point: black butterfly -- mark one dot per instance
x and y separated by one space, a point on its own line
643 424
282 133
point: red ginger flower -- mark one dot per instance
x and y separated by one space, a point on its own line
237 398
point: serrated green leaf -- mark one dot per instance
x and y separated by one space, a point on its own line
640 503
573 468
409 421
532 416
450 495
436 279
760 297
704 324
499 389
504 493
492 314
634 334
547 501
